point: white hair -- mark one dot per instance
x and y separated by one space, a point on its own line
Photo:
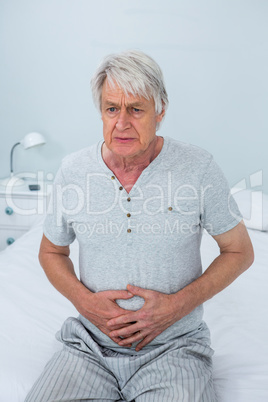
135 73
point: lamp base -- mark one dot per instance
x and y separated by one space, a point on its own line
12 181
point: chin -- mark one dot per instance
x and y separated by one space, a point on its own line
125 150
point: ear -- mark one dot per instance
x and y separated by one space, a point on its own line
160 116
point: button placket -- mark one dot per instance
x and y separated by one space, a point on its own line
128 215
129 230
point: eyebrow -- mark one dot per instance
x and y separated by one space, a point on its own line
131 104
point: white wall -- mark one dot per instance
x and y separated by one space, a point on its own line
214 55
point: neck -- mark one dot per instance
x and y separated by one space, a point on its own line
136 163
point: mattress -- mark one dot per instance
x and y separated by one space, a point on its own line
32 311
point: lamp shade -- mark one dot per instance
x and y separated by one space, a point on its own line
32 140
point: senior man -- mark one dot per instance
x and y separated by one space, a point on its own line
137 203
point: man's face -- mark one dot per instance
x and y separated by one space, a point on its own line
129 123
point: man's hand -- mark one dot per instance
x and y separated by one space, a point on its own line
157 314
101 307
161 310
98 307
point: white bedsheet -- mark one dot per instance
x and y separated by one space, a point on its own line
31 311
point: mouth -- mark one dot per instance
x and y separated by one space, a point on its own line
124 140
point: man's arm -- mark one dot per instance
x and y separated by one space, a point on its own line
161 310
96 307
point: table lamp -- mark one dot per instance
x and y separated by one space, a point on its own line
30 140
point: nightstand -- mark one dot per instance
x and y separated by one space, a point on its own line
20 208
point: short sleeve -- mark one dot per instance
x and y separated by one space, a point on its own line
56 227
219 211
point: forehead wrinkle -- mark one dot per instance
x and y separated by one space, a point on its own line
128 104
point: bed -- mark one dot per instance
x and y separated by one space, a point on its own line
31 311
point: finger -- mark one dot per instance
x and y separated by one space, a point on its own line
126 331
118 339
119 294
128 318
145 341
115 327
137 291
134 338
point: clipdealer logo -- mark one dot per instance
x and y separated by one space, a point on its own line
152 199
109 227
163 196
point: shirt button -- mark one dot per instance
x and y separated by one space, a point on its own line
128 215
129 230
128 199
120 188
112 177
170 208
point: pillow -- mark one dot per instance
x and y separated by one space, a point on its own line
253 205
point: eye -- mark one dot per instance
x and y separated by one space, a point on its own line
112 109
136 110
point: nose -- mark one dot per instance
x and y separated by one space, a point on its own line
123 120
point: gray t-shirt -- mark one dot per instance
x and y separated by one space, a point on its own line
149 237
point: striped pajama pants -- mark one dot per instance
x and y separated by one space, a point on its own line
180 370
